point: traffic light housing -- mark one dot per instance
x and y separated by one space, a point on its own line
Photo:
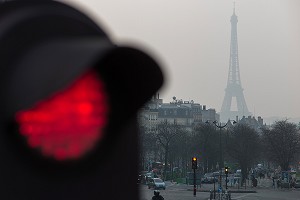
194 163
226 170
69 102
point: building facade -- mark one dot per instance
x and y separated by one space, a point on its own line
256 124
184 113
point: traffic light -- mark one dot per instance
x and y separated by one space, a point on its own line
69 102
194 163
226 170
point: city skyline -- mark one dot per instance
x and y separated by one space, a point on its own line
192 42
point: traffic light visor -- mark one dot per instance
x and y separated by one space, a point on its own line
63 94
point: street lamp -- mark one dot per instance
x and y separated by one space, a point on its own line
220 126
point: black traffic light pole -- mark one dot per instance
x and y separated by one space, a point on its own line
226 173
214 186
194 167
194 182
226 181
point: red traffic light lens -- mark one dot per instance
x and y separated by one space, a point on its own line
68 124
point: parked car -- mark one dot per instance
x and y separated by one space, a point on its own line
297 184
156 183
209 178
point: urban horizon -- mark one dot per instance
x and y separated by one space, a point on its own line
193 46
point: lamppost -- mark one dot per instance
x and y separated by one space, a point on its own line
220 126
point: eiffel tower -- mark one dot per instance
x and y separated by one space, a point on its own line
234 86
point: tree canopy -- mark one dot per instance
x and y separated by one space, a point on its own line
244 146
282 143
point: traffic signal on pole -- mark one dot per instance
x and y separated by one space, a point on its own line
226 170
194 163
69 102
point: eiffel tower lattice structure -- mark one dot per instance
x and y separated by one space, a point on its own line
234 87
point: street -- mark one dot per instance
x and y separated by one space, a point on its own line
269 194
264 191
174 192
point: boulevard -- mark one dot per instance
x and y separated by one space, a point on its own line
264 191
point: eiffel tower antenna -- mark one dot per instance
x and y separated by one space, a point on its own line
234 86
234 7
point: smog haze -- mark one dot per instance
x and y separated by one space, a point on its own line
191 39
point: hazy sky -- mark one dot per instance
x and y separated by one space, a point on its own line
191 39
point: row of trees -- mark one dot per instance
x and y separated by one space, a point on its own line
174 145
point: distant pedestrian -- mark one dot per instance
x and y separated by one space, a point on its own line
278 183
293 183
157 196
254 182
273 184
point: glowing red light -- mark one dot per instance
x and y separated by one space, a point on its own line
68 124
